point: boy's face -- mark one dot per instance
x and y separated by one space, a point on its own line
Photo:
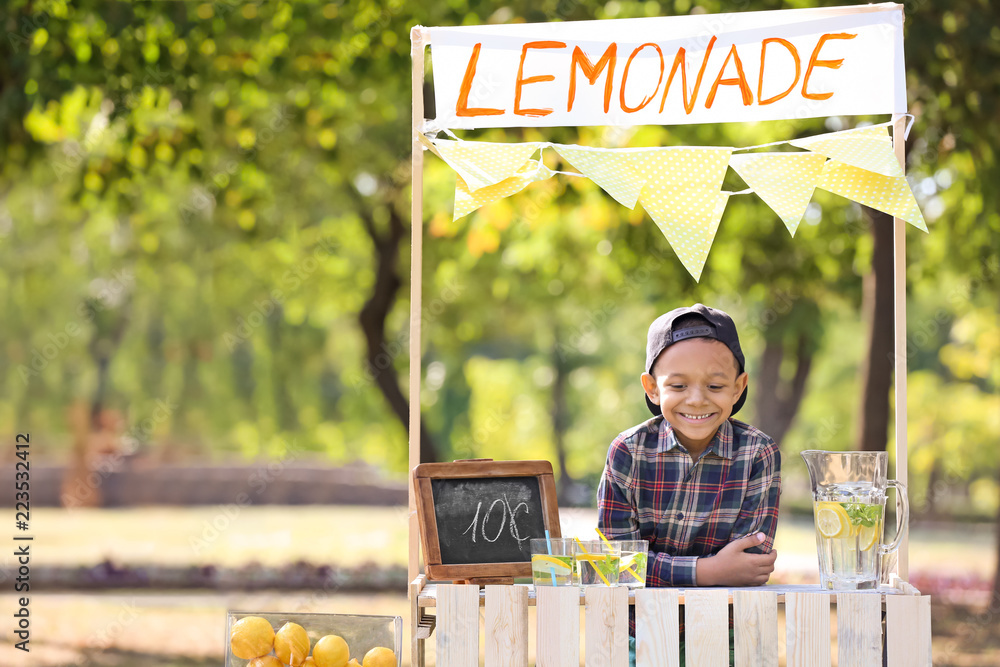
695 382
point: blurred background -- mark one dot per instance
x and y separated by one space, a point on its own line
204 262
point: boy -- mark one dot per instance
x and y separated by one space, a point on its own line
700 487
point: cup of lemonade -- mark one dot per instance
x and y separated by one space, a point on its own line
632 568
553 562
597 562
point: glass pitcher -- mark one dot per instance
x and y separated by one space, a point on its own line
849 507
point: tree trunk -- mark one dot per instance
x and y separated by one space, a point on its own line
560 415
878 309
379 354
778 400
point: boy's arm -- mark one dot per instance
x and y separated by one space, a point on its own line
617 519
748 560
759 512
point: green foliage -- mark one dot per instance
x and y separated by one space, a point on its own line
184 197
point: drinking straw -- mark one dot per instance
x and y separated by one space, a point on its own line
608 542
596 569
548 543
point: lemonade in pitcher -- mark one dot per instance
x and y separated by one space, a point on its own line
848 533
849 493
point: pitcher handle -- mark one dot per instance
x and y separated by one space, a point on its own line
902 521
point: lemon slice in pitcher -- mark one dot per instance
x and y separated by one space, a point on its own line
867 536
832 520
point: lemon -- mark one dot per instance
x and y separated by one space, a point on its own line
251 637
331 651
379 656
266 661
832 520
354 663
867 536
556 564
291 644
309 662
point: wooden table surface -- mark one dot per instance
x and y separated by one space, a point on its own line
428 594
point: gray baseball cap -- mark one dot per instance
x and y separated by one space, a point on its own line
715 324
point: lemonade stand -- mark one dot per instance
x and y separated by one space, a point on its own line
751 66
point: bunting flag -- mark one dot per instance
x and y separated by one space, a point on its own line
884 193
785 181
467 201
697 168
689 219
482 163
612 170
866 147
681 187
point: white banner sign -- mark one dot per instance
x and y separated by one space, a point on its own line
707 68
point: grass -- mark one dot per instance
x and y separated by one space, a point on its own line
351 536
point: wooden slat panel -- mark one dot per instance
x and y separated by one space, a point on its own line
607 626
908 630
457 626
416 613
859 629
657 636
558 626
506 626
755 620
706 627
807 629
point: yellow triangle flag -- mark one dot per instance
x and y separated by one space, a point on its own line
665 168
689 219
884 193
467 201
785 181
483 163
866 147
612 170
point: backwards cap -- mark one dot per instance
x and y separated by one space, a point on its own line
715 324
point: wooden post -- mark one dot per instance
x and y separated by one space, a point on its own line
899 356
418 35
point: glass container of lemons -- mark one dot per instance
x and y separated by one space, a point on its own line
268 639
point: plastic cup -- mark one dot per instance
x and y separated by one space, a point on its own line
632 568
555 567
597 562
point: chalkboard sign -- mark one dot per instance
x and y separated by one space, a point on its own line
477 517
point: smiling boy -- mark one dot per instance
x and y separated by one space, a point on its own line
701 487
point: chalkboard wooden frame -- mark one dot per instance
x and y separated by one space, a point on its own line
422 476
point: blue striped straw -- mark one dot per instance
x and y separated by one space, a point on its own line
548 542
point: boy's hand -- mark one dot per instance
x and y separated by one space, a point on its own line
732 566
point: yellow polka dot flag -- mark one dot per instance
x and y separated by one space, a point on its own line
467 201
483 163
681 167
866 147
889 194
785 181
689 218
612 170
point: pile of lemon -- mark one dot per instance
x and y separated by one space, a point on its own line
252 638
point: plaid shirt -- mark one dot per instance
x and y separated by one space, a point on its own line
652 490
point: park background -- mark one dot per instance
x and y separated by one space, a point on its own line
203 265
